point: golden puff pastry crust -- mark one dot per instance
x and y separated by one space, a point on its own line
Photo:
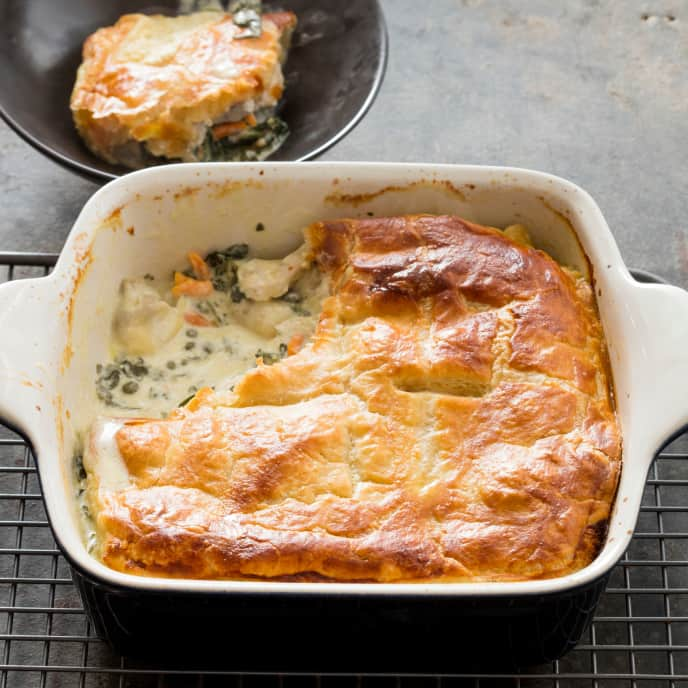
163 81
450 420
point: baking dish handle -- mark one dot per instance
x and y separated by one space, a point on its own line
663 361
26 338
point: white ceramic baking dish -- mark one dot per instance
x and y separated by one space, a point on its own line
56 329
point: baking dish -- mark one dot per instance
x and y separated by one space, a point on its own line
57 328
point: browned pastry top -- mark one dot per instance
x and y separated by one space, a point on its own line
451 419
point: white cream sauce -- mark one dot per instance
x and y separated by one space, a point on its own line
102 461
105 460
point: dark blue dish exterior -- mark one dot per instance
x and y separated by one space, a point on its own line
330 632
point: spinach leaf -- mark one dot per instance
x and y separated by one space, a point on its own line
252 144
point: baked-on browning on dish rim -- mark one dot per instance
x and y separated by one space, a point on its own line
450 421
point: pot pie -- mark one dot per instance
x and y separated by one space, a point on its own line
449 419
196 87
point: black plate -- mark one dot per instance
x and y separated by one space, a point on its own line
333 73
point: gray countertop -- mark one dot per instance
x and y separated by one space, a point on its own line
595 91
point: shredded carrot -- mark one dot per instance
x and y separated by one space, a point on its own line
199 266
197 319
295 344
185 285
219 131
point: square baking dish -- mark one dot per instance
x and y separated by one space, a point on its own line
57 329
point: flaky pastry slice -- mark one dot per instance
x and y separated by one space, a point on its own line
191 88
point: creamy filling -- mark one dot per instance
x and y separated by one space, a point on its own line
166 347
105 460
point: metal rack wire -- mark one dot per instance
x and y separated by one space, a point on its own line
639 636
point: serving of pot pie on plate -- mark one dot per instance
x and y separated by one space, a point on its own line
450 418
195 87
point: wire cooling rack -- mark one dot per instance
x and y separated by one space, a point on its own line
639 636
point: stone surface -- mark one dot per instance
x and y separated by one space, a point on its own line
594 91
